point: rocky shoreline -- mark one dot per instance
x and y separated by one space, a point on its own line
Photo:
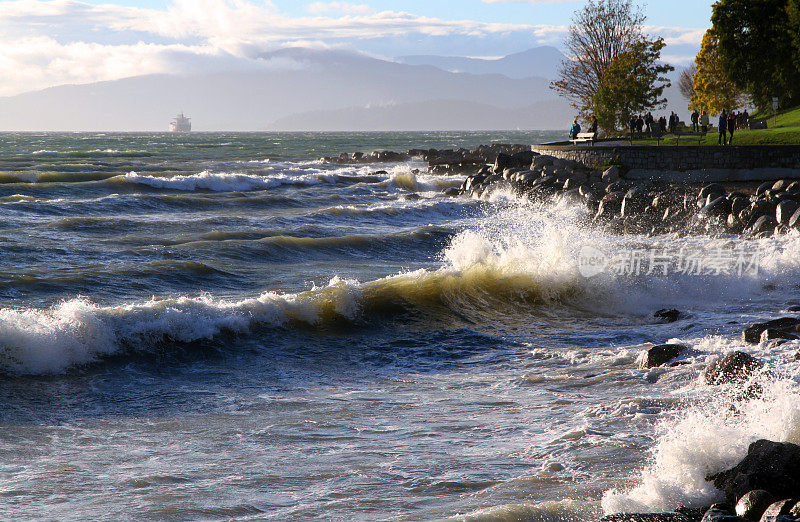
645 206
618 204
765 485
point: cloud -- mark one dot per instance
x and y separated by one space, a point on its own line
345 8
52 42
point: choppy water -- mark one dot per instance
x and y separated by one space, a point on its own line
217 326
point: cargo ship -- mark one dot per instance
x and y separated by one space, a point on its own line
181 124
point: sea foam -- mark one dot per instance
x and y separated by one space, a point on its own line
708 438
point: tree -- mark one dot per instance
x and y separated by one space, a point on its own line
793 14
757 48
714 90
629 84
686 85
601 32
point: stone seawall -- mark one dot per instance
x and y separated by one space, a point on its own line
688 163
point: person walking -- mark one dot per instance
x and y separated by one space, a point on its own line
695 120
704 122
731 126
723 127
639 125
575 130
632 125
593 125
649 121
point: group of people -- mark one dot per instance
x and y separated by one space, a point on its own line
647 125
728 123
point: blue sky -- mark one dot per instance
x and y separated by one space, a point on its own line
683 13
51 42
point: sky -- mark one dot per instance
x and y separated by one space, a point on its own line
44 43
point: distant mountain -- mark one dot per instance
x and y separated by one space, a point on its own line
292 82
543 62
434 115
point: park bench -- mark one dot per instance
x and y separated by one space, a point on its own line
584 137
644 135
699 136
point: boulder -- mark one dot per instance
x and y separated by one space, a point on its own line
763 224
753 504
713 189
610 205
617 186
718 207
611 175
794 186
738 204
733 223
667 315
646 517
772 333
779 511
540 162
771 466
660 355
752 334
794 221
779 186
502 162
524 158
734 367
720 513
763 188
785 210
634 202
472 182
527 178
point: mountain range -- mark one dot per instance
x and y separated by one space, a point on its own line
307 89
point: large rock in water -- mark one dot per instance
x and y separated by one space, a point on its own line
784 211
668 315
780 511
519 160
610 205
661 354
734 367
753 504
720 513
794 221
752 334
646 517
771 466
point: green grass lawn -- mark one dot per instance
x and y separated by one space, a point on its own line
785 132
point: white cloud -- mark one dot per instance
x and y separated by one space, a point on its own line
345 8
52 42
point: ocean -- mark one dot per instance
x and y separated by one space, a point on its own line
219 326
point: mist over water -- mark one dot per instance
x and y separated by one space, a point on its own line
218 326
